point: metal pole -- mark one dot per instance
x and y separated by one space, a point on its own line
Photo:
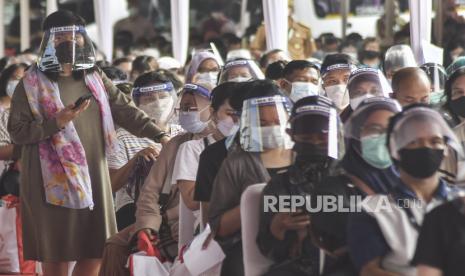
2 30
389 14
24 23
345 4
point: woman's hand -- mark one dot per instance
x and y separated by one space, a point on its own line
149 153
282 222
69 113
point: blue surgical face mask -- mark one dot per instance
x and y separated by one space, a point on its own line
375 152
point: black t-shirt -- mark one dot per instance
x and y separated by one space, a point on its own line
441 243
209 164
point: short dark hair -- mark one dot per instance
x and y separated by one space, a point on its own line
404 74
114 73
150 78
298 65
175 80
264 59
261 88
142 63
274 71
223 92
62 18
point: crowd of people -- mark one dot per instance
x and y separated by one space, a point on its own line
110 153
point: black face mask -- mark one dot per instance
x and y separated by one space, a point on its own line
370 54
312 160
458 106
310 152
64 52
422 162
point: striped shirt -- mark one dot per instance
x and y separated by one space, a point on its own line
130 145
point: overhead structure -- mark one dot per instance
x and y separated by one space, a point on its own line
275 13
180 29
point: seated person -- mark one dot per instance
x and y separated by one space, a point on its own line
411 85
383 237
264 150
284 236
240 70
300 79
364 83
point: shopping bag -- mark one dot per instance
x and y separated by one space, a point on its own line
148 261
11 242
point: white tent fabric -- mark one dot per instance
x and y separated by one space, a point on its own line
275 13
420 26
104 27
51 6
180 29
255 263
24 24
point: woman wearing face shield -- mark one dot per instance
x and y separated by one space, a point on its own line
383 237
366 161
335 72
157 212
454 106
154 94
203 69
285 237
67 206
240 70
364 83
263 151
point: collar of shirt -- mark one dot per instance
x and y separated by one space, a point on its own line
402 191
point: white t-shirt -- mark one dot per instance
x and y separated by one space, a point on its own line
187 159
187 163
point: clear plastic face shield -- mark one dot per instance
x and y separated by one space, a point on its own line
396 58
334 83
193 108
157 100
367 127
263 124
68 45
319 126
437 76
366 83
423 127
240 71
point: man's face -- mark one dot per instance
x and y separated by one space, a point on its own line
336 77
309 75
413 90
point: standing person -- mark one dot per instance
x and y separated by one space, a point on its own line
9 79
67 205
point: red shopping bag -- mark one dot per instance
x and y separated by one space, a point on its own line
11 241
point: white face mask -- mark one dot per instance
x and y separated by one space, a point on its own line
303 89
355 102
239 79
337 94
10 87
208 77
227 127
272 137
190 121
159 110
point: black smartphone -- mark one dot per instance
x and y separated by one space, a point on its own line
81 100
